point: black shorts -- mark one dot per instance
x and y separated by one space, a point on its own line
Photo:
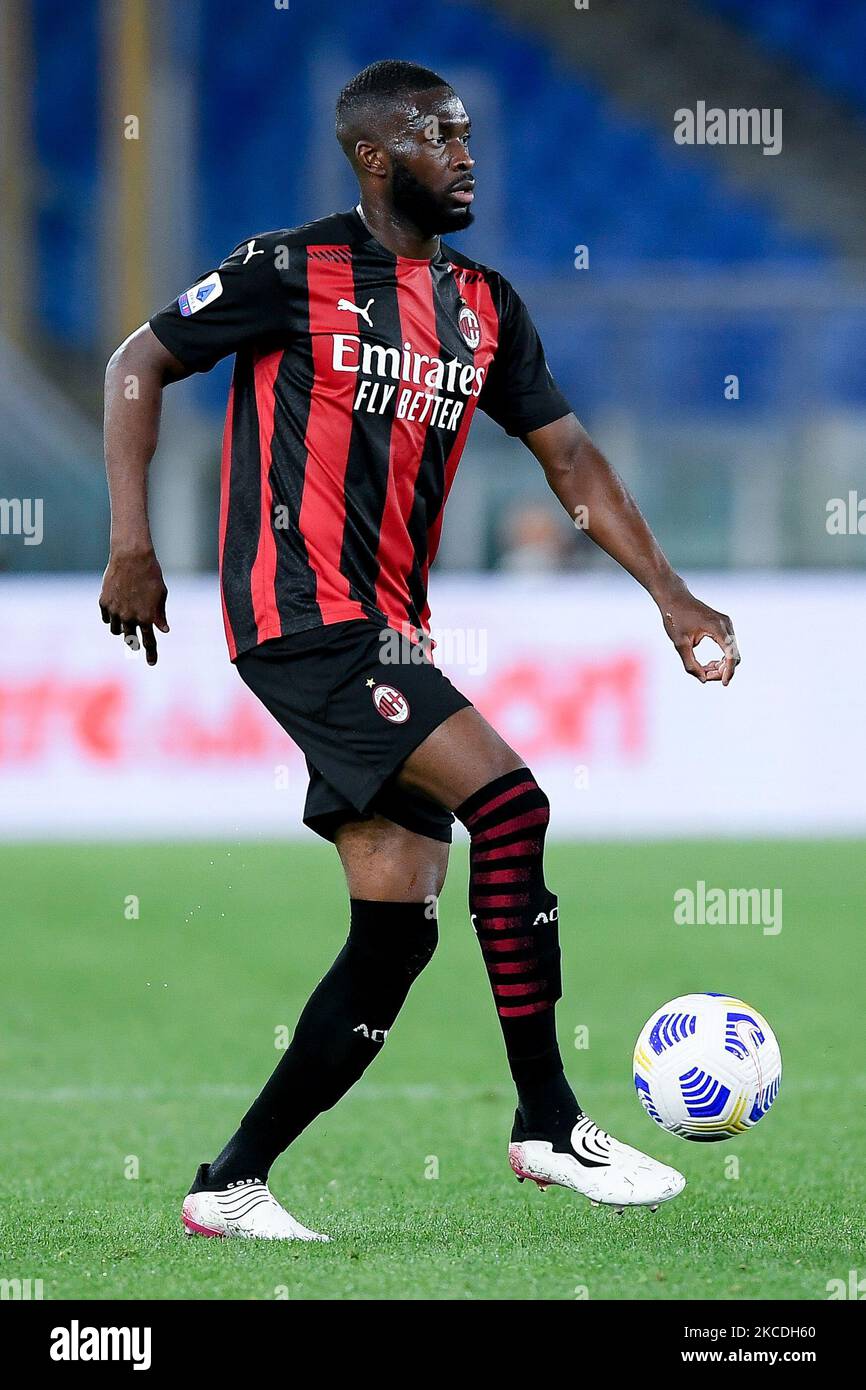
357 699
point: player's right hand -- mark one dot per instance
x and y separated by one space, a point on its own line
133 599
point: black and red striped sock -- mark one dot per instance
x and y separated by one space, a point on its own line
515 917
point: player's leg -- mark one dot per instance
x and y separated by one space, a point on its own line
467 767
394 877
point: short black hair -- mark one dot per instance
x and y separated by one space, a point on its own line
377 85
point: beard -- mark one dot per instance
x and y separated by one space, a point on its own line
430 212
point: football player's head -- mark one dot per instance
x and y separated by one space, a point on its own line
406 134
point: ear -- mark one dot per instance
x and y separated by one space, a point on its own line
371 159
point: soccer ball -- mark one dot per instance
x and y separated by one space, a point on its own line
707 1066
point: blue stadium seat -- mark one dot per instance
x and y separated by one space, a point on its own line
826 38
598 175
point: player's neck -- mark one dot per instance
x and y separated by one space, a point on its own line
396 234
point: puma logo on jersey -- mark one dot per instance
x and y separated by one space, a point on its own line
374 1034
356 309
251 252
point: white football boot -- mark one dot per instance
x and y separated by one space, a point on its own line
245 1209
598 1166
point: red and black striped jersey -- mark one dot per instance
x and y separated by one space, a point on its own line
356 377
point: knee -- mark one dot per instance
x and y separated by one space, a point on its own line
382 860
541 802
385 937
512 803
409 879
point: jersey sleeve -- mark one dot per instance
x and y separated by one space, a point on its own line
519 393
240 303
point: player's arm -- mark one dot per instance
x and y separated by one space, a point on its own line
238 305
133 589
521 395
596 498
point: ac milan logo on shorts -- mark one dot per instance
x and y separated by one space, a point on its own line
469 327
391 704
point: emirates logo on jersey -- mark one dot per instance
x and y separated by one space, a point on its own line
391 704
469 326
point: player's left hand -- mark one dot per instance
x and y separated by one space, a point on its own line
687 621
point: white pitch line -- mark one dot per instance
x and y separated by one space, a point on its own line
75 1095
421 1091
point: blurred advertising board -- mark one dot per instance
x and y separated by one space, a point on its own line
575 672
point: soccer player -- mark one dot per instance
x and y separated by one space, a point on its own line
363 345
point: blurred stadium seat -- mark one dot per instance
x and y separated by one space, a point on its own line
826 38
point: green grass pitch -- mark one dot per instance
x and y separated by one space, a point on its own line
133 1045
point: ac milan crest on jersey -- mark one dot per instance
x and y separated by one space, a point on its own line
469 326
391 704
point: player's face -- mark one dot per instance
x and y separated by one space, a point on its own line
432 183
